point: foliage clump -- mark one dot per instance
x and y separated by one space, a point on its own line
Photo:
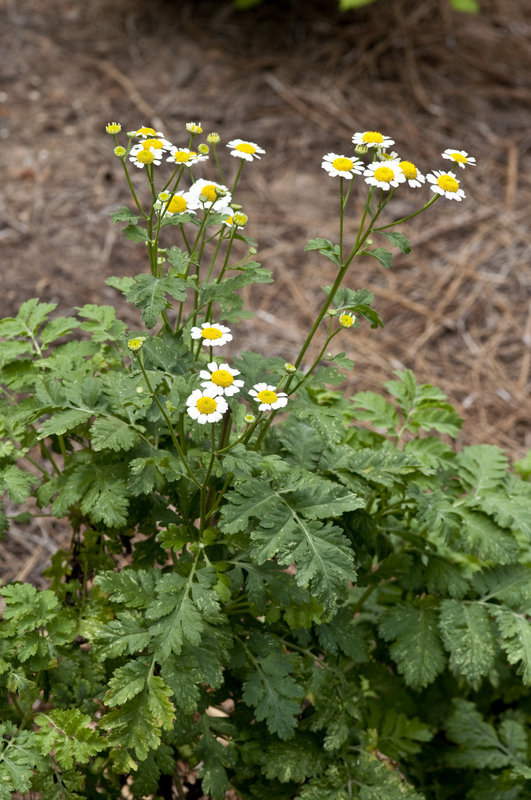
332 606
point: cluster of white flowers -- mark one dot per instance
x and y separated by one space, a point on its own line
220 380
387 170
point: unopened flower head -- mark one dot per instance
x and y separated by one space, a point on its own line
347 320
113 128
446 184
384 175
203 149
220 379
211 195
372 139
459 157
246 150
414 176
249 419
342 166
212 334
361 149
204 406
194 127
136 343
120 151
213 138
268 397
237 220
184 156
289 369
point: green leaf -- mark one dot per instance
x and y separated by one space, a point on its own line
16 482
466 6
213 756
397 240
515 631
69 735
111 433
63 421
481 537
275 696
480 746
303 759
467 634
60 326
376 410
133 588
19 756
347 5
416 647
101 322
326 248
385 257
123 215
482 467
135 233
398 736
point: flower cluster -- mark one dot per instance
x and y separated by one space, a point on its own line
387 170
220 380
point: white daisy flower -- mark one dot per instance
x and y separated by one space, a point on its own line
268 397
347 320
342 166
445 183
459 157
176 203
242 149
414 176
234 219
213 334
147 133
205 406
182 155
384 175
211 195
142 157
219 379
372 139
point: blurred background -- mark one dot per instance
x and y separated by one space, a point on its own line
299 78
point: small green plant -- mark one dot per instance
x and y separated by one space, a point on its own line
464 6
271 587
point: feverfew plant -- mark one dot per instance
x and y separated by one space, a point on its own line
272 587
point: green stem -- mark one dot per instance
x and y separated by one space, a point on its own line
204 487
168 421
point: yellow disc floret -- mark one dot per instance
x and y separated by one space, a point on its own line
209 193
409 170
372 137
156 144
177 205
222 377
181 156
246 147
342 164
384 174
267 396
145 157
146 132
448 183
206 405
113 128
211 333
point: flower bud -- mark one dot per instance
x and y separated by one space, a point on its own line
203 149
347 320
120 151
194 127
361 149
249 419
113 128
289 368
213 138
136 343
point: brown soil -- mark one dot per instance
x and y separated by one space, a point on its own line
298 78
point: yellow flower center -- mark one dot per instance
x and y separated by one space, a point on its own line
211 333
177 205
245 147
384 174
222 377
447 183
229 221
206 405
267 396
209 193
459 157
145 157
146 131
372 137
156 144
181 157
409 170
342 164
